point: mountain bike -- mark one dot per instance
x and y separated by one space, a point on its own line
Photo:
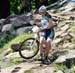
30 46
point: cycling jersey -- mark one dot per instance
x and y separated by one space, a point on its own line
48 33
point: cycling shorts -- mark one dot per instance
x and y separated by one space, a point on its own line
49 33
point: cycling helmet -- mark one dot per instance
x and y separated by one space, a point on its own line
42 9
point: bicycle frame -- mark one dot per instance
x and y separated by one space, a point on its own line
35 30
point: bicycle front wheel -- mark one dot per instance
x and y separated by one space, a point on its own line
29 48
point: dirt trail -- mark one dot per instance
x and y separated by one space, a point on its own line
33 66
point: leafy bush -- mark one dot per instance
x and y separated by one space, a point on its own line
17 39
5 38
15 6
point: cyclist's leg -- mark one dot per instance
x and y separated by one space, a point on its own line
42 39
48 46
50 37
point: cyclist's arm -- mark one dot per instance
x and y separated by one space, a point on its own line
38 24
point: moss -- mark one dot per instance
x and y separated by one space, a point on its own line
28 71
13 61
17 39
60 66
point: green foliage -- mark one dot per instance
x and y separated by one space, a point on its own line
72 30
28 71
60 67
17 39
63 67
15 6
12 61
5 38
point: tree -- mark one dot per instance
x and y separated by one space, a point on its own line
4 8
45 2
26 6
53 1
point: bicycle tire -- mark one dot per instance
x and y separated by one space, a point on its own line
21 49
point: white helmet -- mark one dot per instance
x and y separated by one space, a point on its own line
42 9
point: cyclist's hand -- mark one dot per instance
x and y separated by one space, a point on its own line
42 29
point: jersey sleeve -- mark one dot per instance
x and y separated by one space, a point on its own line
49 16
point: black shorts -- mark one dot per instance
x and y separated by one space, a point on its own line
49 33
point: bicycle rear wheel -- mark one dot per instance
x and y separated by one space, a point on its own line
29 48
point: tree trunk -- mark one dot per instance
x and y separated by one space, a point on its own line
26 6
4 8
45 2
53 1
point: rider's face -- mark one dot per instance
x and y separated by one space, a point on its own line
42 13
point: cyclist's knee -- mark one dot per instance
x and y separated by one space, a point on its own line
42 39
49 40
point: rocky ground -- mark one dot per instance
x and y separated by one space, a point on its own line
63 43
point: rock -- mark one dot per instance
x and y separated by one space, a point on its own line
4 62
65 28
70 58
71 51
68 45
59 71
66 17
57 34
20 23
61 24
67 71
7 52
28 30
71 29
69 21
20 31
72 17
12 55
72 34
13 19
1 21
0 28
0 69
52 10
68 9
22 20
60 59
55 19
22 67
64 34
9 19
58 40
16 69
7 27
67 39
45 70
23 30
71 54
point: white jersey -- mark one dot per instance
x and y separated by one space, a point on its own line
44 22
